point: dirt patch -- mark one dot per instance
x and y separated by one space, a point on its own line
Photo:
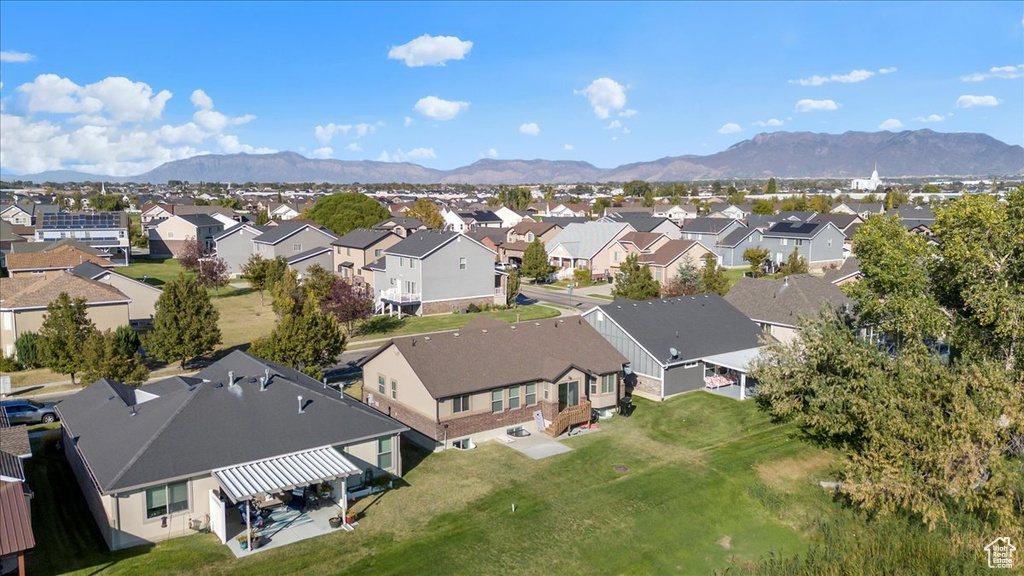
622 469
725 542
784 474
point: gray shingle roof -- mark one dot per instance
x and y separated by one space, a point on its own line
784 300
707 225
306 254
88 270
586 240
361 238
275 234
639 221
421 243
195 425
402 221
696 326
200 220
736 236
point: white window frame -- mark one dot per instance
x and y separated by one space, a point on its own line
462 263
608 382
168 509
527 394
514 397
394 389
498 398
389 453
689 365
460 404
382 384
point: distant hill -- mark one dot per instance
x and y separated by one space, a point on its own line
779 154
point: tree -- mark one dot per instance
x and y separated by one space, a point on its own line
318 282
347 303
190 254
66 325
794 264
772 187
289 296
106 203
535 261
648 200
262 218
515 198
794 203
820 203
212 272
76 201
104 356
755 257
601 204
716 187
895 198
637 188
426 211
513 287
257 271
735 196
308 341
763 206
712 278
185 324
228 202
127 339
634 281
344 212
27 347
685 282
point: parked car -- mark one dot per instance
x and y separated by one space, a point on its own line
29 412
505 266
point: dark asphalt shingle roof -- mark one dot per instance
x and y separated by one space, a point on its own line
404 222
696 326
194 427
639 221
200 220
707 225
421 243
785 300
88 270
736 236
361 238
275 234
306 254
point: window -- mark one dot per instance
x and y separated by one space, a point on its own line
168 499
394 389
384 453
497 401
530 237
616 256
348 251
381 383
378 253
799 242
607 383
784 241
412 263
690 365
296 247
401 262
513 398
339 250
460 404
829 242
462 263
531 394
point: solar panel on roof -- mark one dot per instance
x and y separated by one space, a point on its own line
81 221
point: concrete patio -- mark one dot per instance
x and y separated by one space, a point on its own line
540 445
285 526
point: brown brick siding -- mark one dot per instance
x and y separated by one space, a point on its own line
449 306
395 409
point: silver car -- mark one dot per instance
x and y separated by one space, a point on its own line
29 412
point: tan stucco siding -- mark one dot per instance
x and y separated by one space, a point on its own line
603 259
411 393
105 317
144 296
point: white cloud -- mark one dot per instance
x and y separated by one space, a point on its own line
730 128
408 121
492 153
430 50
771 122
354 147
438 109
1002 72
416 154
614 125
324 152
932 118
324 134
890 124
11 56
530 129
108 128
627 113
567 147
968 101
605 95
852 77
625 130
889 70
807 105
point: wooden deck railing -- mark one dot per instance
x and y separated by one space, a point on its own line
571 416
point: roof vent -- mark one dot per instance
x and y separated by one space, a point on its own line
231 378
302 409
252 380
426 338
484 330
536 323
218 384
325 382
263 384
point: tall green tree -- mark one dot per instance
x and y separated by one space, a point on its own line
894 198
685 282
634 281
308 341
185 325
772 187
535 261
637 188
734 196
289 295
344 212
755 257
426 211
104 356
514 197
27 347
317 283
794 264
513 287
601 204
763 206
712 277
716 187
66 326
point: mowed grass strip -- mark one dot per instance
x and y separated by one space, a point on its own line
631 498
439 322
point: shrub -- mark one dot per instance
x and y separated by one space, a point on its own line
582 278
473 309
8 364
27 348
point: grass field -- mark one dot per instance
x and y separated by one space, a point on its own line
438 322
155 272
692 485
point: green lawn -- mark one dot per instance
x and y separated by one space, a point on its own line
696 484
438 322
155 272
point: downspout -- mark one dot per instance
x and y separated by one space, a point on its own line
115 538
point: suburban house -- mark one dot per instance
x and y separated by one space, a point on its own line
402 227
178 455
321 256
16 536
676 345
492 238
776 305
848 272
8 239
678 213
730 249
665 260
914 216
435 271
819 243
48 257
104 231
292 238
167 237
143 296
23 301
708 231
848 224
765 221
358 248
862 209
646 223
588 246
523 234
26 214
732 211
234 246
453 389
509 217
640 243
152 214
569 210
466 221
287 210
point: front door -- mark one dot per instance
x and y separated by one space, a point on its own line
568 394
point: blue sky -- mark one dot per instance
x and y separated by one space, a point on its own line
118 88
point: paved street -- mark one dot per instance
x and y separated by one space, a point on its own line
579 302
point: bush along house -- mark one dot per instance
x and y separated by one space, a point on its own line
490 377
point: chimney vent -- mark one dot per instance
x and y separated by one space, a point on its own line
263 384
231 379
325 382
301 409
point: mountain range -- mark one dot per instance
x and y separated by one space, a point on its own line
779 154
